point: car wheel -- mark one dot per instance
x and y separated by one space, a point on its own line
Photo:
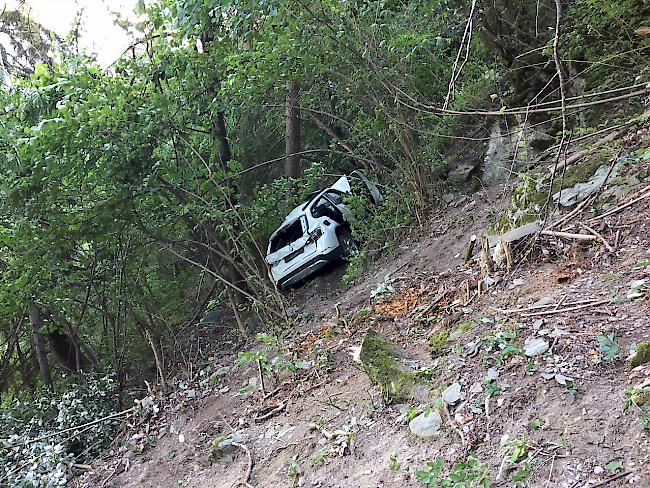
349 246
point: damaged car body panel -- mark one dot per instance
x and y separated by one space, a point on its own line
317 232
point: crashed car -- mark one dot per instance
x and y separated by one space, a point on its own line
317 232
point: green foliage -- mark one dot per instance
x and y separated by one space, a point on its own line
394 464
379 229
38 452
608 346
599 35
464 474
639 400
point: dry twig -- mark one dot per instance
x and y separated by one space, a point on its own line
567 309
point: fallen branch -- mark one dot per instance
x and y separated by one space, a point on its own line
567 309
538 307
572 213
601 142
645 193
270 414
613 478
249 471
600 237
568 235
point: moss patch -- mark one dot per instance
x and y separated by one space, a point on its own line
382 362
642 355
579 173
439 343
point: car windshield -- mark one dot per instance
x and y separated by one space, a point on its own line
287 235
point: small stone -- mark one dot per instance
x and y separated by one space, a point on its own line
476 387
535 347
426 425
190 393
181 438
493 374
599 470
448 197
452 394
561 379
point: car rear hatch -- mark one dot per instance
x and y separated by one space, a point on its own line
288 242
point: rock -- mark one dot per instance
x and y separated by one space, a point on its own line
492 374
520 232
561 379
581 191
448 197
392 369
476 387
598 470
535 347
222 448
461 173
426 425
452 394
641 355
637 289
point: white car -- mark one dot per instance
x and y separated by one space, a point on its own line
317 232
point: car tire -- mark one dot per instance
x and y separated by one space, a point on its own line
349 247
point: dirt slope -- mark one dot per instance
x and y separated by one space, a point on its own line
557 418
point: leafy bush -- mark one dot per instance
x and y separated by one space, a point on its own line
379 228
38 453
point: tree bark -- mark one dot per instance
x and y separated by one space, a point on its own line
39 343
220 135
293 169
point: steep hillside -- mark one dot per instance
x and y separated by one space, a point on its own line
540 354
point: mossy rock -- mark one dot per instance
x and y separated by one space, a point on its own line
387 365
222 448
641 356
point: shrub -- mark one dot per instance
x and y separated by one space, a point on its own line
36 453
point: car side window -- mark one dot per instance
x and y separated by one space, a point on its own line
324 208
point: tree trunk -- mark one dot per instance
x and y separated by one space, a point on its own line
293 169
220 135
39 343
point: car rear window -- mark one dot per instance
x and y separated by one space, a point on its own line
287 235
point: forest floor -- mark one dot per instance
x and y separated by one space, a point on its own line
556 419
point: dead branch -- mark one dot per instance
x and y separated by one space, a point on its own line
540 307
568 235
613 478
601 142
465 43
567 309
645 194
600 237
270 414
249 471
112 416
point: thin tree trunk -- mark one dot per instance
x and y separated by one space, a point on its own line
220 135
39 343
293 169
